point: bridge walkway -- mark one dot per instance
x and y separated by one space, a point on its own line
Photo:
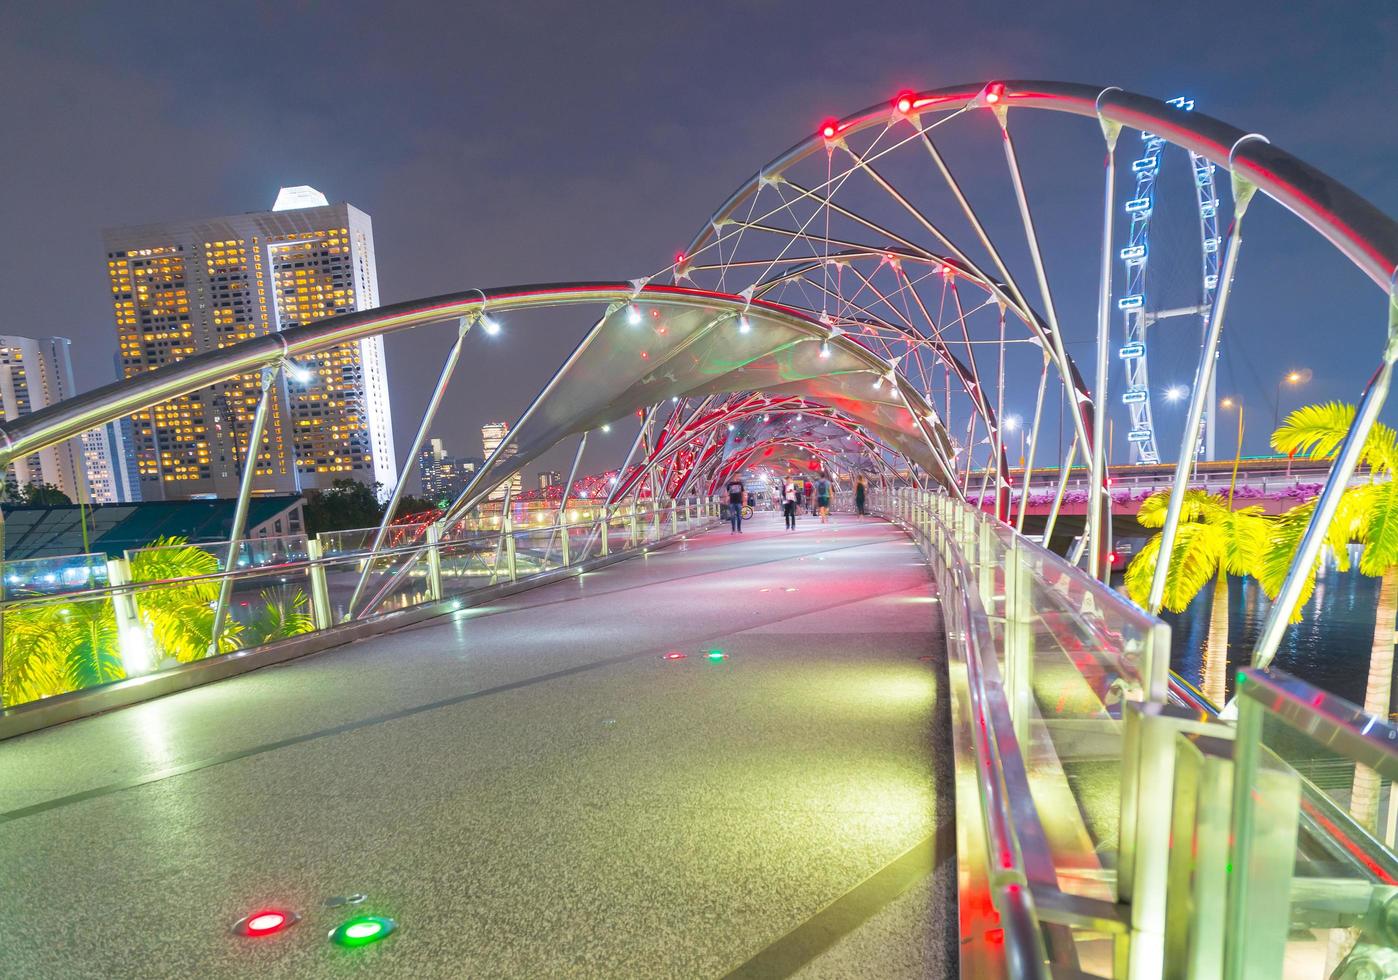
529 789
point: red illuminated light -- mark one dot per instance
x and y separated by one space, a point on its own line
994 92
829 129
673 655
264 922
1111 557
904 102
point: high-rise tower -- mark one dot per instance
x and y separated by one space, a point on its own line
36 373
185 287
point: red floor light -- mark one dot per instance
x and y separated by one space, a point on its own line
673 655
264 922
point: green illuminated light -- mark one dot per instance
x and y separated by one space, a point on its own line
362 930
715 655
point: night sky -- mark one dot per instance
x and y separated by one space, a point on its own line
550 141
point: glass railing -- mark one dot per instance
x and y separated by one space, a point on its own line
1143 836
71 624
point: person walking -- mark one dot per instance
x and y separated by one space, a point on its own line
737 496
822 489
860 495
789 504
810 498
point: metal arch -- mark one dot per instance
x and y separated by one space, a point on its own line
1360 231
88 410
1007 293
969 381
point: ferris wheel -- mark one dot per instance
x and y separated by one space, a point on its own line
1140 314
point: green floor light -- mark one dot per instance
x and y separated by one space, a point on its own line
362 930
714 656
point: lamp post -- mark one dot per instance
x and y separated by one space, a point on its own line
1293 378
1228 403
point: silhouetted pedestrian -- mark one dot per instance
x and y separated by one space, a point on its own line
737 496
860 495
789 504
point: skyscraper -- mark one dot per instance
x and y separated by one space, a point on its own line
186 287
443 476
106 458
36 373
492 434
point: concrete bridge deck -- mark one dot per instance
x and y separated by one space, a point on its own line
529 789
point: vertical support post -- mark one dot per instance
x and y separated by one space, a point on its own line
1264 854
321 613
240 511
136 656
1019 638
1242 194
564 545
430 413
1033 446
507 529
1058 495
434 561
1098 502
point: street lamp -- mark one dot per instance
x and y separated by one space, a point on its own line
1235 403
1012 424
1294 378
1175 392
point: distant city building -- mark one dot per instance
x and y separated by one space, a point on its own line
443 476
36 373
492 434
110 475
182 288
549 478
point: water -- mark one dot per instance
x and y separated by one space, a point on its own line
1328 648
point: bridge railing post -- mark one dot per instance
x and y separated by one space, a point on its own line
136 655
507 528
564 545
1019 638
603 535
434 561
321 614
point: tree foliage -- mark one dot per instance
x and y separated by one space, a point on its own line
345 505
1211 540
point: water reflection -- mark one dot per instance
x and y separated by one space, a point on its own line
1328 648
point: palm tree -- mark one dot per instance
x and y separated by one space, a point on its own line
55 647
284 613
1367 514
1213 541
181 617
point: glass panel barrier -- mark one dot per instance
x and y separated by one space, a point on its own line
1314 889
78 621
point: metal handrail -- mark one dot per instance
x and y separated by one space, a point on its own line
301 565
1007 810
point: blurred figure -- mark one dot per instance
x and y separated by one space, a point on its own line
737 497
822 491
789 503
860 495
810 497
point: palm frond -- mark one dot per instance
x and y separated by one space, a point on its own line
1196 506
1197 552
1317 431
1379 529
282 614
1284 537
